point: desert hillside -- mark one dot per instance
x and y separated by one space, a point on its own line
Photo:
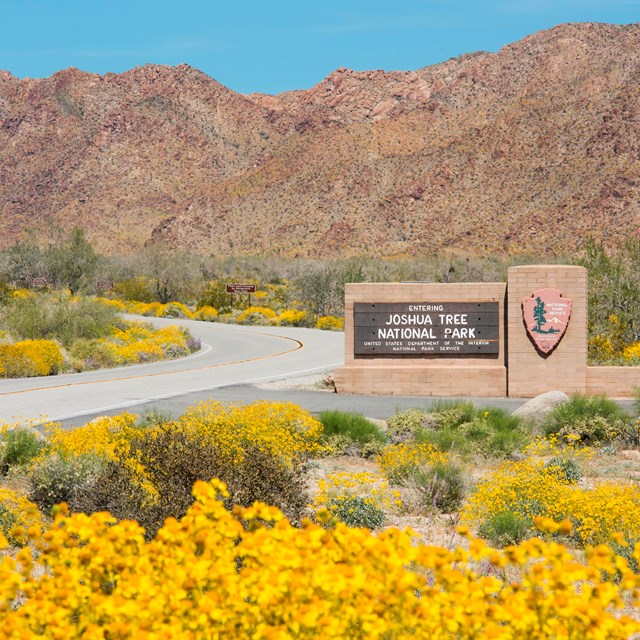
530 149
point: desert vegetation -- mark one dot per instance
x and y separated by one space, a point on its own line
43 334
163 282
262 519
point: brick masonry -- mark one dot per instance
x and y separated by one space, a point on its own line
519 369
424 375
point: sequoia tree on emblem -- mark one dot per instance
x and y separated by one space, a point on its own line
546 316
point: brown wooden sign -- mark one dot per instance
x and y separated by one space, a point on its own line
38 283
241 288
546 317
426 328
104 285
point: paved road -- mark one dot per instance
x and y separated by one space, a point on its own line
233 360
230 355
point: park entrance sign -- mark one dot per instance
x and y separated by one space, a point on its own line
517 338
424 328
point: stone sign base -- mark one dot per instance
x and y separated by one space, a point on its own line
384 354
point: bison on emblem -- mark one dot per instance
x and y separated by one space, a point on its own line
546 317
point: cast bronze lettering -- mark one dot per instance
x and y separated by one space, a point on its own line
426 328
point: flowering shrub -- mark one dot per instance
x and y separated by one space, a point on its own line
30 358
357 499
152 309
280 428
17 511
251 574
632 352
118 305
330 323
174 310
132 343
105 437
206 314
292 318
529 488
256 315
398 461
148 471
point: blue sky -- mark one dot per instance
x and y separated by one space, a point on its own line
274 46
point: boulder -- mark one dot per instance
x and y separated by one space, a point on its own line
536 410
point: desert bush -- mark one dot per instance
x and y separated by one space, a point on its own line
355 511
20 447
58 317
400 461
506 528
215 295
149 309
117 305
175 310
441 485
591 419
357 499
137 288
352 426
256 315
88 354
17 514
330 323
149 465
153 479
292 318
529 489
28 358
568 469
466 429
55 478
614 298
206 314
404 425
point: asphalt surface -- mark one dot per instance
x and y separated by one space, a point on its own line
230 355
231 366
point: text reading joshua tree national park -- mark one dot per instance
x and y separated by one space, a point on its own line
446 328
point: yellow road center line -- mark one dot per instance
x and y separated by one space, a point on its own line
299 345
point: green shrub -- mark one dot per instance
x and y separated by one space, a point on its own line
441 486
355 511
505 528
406 424
20 447
587 419
91 354
352 425
568 469
452 414
463 428
57 479
59 317
636 400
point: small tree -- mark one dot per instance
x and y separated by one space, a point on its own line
22 262
72 261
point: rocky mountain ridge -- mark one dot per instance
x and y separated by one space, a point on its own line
531 149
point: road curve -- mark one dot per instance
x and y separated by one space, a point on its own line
230 355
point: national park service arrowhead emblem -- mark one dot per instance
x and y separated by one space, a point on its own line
546 316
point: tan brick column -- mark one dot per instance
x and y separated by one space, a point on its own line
564 369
